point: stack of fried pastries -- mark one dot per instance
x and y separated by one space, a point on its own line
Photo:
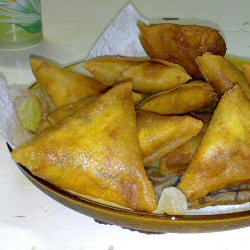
130 114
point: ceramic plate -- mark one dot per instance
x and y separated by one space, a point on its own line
146 222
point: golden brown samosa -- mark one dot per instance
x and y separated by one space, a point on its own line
177 160
94 152
148 76
222 160
64 85
158 135
181 44
193 96
108 69
154 76
221 74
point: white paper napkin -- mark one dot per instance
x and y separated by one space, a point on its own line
121 37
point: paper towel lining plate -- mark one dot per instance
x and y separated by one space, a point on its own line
146 222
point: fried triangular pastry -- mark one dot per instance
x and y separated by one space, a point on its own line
65 86
222 160
148 76
221 74
185 98
95 152
176 161
158 135
181 44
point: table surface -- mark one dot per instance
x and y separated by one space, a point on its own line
31 220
